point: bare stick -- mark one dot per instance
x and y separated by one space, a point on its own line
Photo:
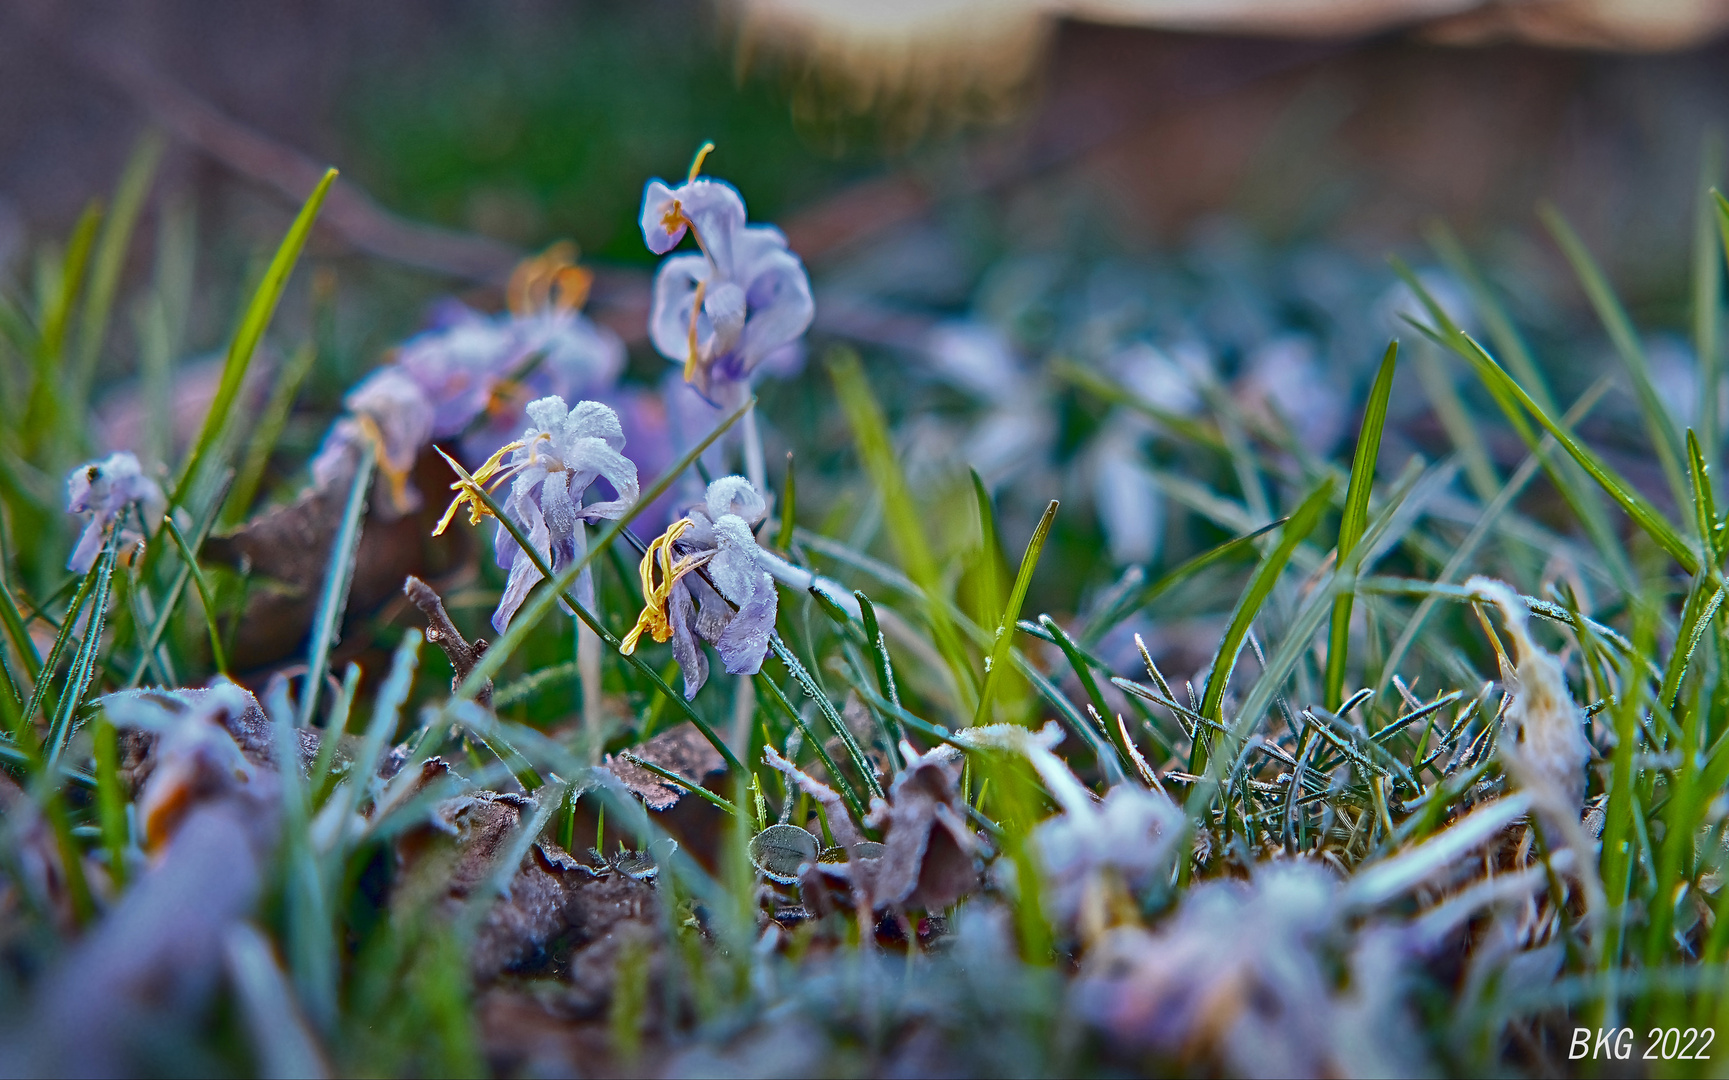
442 632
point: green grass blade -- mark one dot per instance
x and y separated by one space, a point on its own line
1356 518
842 785
990 577
808 684
1659 425
246 338
1636 506
1707 294
111 800
788 507
1704 504
1109 390
68 621
1579 496
268 433
1169 580
885 668
1004 634
107 261
84 664
171 601
42 411
1696 620
870 432
338 576
15 632
1496 321
205 596
1260 586
1480 529
1084 673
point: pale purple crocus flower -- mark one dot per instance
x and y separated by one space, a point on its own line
716 583
479 371
563 453
720 313
103 490
471 376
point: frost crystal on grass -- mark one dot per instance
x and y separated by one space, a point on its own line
722 312
103 490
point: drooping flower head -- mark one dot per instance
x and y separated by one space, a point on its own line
720 312
103 490
471 376
736 613
563 452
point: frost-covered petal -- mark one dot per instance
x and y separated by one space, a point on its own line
662 224
734 568
724 307
716 209
673 297
104 489
736 496
685 648
401 410
743 642
778 295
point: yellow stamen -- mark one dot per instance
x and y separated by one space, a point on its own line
551 278
696 162
397 477
690 359
469 485
656 619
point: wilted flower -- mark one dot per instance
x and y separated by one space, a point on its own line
392 413
1120 846
720 313
551 467
1237 976
470 377
681 604
1543 738
928 850
104 489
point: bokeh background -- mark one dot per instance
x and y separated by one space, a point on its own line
977 195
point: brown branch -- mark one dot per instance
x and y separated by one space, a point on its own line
348 210
443 633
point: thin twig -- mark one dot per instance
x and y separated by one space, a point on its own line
442 632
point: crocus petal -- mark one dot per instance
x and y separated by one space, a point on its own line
724 305
735 570
660 231
674 295
524 575
734 495
717 210
89 543
743 642
778 295
685 649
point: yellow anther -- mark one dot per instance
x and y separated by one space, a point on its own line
468 486
656 619
398 477
696 162
690 359
551 278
